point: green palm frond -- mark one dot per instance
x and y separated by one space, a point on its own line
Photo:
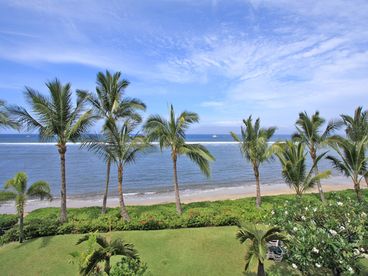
6 119
40 189
199 155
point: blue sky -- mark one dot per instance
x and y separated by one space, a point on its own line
223 59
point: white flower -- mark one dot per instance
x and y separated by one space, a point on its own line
333 232
314 209
342 228
350 269
306 208
356 252
303 218
294 266
295 229
364 255
318 265
364 214
286 212
362 249
340 203
315 250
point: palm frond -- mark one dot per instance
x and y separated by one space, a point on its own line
40 189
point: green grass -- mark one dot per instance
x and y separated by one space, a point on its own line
195 251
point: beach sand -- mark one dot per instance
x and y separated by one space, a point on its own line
187 196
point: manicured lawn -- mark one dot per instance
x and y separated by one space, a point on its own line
195 251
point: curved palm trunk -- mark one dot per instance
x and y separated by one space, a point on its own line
176 187
357 190
123 211
21 232
258 186
261 271
63 212
316 172
104 202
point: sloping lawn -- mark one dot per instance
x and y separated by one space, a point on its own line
195 251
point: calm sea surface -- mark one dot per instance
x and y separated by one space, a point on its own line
151 173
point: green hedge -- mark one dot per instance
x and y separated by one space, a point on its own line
44 222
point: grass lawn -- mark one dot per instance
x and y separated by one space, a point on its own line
194 251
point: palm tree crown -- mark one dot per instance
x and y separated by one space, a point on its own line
171 134
16 188
254 147
55 115
5 117
357 126
292 157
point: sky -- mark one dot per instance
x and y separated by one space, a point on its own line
225 60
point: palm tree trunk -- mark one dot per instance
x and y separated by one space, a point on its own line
366 179
176 187
357 190
261 271
63 212
123 211
258 186
21 232
104 202
107 266
316 172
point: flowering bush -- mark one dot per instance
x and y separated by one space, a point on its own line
324 237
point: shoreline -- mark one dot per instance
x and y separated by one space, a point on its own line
187 196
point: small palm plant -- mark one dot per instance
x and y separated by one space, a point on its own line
292 157
351 160
254 147
99 250
5 117
255 238
310 132
171 134
16 188
120 145
109 102
55 116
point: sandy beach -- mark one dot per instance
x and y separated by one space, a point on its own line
187 196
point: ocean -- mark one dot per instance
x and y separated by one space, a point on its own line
150 174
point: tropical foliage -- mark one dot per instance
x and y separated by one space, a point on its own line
293 161
171 134
310 132
110 104
255 148
6 120
17 190
255 238
55 116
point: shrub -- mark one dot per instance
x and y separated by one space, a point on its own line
128 267
7 221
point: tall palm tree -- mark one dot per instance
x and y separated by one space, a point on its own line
171 134
356 128
17 189
254 147
292 157
108 102
103 252
55 116
121 145
309 132
255 237
352 161
5 117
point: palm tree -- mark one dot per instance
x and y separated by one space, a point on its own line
171 134
292 157
17 189
120 145
255 237
108 103
309 132
103 252
5 117
352 161
356 127
254 147
56 116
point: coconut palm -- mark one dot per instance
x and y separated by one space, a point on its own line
55 116
254 147
121 145
5 117
351 160
292 157
16 188
310 132
102 252
255 237
171 134
109 102
356 128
